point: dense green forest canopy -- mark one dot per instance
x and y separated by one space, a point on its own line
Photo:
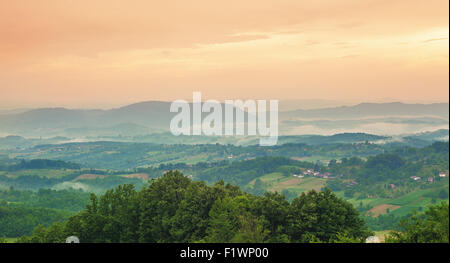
21 211
71 200
431 226
17 220
174 208
38 164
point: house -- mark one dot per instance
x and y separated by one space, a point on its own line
415 178
442 174
352 183
430 179
392 186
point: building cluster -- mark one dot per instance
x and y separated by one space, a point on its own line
311 172
429 179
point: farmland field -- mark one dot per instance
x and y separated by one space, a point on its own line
277 182
298 185
401 206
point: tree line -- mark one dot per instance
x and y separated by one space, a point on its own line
174 208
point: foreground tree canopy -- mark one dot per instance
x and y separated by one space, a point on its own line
175 209
432 226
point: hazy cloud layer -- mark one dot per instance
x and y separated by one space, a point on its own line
60 52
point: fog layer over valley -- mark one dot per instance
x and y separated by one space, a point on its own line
137 122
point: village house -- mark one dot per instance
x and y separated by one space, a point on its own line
352 183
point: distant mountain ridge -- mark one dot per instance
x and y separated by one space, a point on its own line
373 109
156 116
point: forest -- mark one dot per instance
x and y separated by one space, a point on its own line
174 208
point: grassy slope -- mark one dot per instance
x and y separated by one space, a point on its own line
277 182
408 202
50 173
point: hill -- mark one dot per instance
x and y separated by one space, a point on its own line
155 116
373 109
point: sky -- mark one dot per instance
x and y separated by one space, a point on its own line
103 53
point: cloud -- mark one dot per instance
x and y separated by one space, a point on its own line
111 50
435 39
103 25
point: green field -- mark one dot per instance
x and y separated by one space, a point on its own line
298 185
50 173
417 200
277 182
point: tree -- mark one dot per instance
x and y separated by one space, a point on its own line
432 226
322 216
173 208
223 223
251 230
332 163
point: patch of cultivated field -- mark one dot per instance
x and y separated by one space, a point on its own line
192 159
405 204
298 185
88 177
381 209
142 176
50 173
270 178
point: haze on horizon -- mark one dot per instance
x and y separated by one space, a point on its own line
102 54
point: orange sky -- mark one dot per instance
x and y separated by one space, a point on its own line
106 52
